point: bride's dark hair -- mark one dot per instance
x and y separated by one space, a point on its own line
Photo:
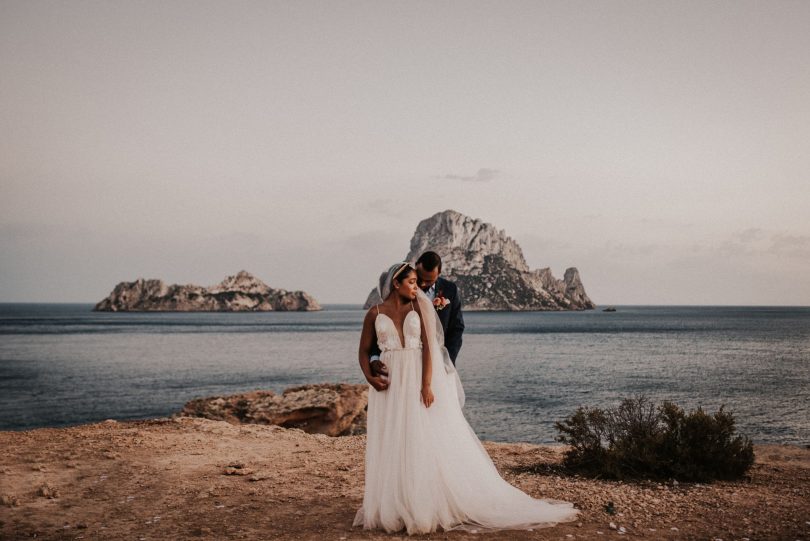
402 273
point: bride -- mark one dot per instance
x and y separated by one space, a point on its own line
425 467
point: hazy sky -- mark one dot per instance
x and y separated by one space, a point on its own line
663 148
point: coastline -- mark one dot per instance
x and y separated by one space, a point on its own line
193 478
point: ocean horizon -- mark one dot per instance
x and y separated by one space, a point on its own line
61 364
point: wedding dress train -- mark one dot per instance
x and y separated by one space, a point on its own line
425 467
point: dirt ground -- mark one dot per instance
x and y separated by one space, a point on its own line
191 478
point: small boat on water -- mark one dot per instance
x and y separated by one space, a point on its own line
609 309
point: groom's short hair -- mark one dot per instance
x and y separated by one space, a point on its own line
429 261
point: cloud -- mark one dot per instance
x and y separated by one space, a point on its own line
748 235
483 175
758 242
790 245
665 223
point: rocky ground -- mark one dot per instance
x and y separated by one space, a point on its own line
194 478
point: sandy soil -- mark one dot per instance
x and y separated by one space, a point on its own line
189 478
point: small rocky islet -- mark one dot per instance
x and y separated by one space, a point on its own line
241 292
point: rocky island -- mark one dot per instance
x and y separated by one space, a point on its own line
241 292
489 268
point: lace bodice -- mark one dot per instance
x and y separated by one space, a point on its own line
388 337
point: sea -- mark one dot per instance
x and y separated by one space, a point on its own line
64 365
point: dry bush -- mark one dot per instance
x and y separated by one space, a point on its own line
638 440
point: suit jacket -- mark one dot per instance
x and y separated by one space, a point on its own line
450 316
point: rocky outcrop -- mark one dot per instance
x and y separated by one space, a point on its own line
335 409
489 268
241 292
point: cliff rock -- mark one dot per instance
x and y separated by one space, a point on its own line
489 268
334 409
242 292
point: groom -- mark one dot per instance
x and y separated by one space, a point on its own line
444 295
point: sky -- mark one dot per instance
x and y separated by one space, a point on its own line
662 148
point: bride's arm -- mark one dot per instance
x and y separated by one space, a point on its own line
367 339
427 365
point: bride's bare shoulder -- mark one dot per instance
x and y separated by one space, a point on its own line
371 313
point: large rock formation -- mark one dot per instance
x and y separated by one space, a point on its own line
489 268
335 409
242 292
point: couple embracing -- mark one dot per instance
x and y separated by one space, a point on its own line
426 470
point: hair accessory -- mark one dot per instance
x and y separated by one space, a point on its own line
398 271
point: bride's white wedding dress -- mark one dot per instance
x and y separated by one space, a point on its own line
425 467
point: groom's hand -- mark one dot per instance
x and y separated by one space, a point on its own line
378 368
378 383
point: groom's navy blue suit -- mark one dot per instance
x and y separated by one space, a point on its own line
450 316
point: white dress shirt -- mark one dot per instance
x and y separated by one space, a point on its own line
431 292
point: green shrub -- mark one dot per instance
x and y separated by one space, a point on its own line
639 440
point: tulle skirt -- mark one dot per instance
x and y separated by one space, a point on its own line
427 470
